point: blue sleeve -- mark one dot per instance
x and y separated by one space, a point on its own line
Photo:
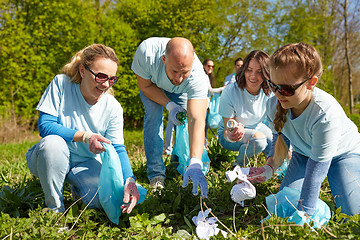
124 159
314 175
48 125
275 136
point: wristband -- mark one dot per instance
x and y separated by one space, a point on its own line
86 137
195 160
271 168
129 180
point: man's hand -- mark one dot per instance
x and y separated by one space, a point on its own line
174 109
261 174
94 141
131 194
196 175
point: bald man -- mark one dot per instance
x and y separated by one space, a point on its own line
170 75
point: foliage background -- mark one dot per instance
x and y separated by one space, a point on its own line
37 37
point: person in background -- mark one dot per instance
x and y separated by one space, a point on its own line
77 115
245 102
208 66
170 75
231 78
326 143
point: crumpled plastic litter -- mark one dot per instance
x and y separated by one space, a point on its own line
206 227
279 205
244 189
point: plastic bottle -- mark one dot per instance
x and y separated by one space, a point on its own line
231 124
181 116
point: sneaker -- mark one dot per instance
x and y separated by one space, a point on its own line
157 182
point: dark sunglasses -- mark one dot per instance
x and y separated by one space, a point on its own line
102 77
283 89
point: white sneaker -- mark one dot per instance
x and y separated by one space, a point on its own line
157 182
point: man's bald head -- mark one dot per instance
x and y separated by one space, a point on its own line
179 47
178 59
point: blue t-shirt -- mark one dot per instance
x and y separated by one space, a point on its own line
148 64
244 107
63 99
229 79
322 131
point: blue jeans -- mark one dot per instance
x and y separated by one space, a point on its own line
343 177
249 146
153 132
50 161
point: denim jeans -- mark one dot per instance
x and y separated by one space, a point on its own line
153 132
50 161
343 177
249 146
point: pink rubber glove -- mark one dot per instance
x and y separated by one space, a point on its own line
131 194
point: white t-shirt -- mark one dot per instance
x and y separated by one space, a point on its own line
245 107
148 64
322 131
63 99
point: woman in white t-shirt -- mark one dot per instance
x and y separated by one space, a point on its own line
77 114
245 102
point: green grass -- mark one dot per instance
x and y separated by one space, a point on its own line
167 216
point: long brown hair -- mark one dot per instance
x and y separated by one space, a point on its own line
261 57
307 63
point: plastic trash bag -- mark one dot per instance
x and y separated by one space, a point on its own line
182 150
111 184
279 205
214 118
281 171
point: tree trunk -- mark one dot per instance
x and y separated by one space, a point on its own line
347 57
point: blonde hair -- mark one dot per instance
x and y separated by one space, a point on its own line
86 57
306 63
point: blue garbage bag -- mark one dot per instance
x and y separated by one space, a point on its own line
182 150
279 205
213 117
111 184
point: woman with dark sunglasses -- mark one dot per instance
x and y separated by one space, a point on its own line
77 115
245 102
326 143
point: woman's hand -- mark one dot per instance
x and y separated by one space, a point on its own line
131 194
237 133
260 174
94 141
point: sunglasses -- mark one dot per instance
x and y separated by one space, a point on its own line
210 66
283 89
102 77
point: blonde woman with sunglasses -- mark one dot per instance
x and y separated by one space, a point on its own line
326 143
77 115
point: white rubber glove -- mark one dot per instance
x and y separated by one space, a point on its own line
174 109
131 194
261 174
94 141
195 173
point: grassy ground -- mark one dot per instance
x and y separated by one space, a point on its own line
166 216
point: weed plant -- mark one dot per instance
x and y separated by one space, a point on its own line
164 215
